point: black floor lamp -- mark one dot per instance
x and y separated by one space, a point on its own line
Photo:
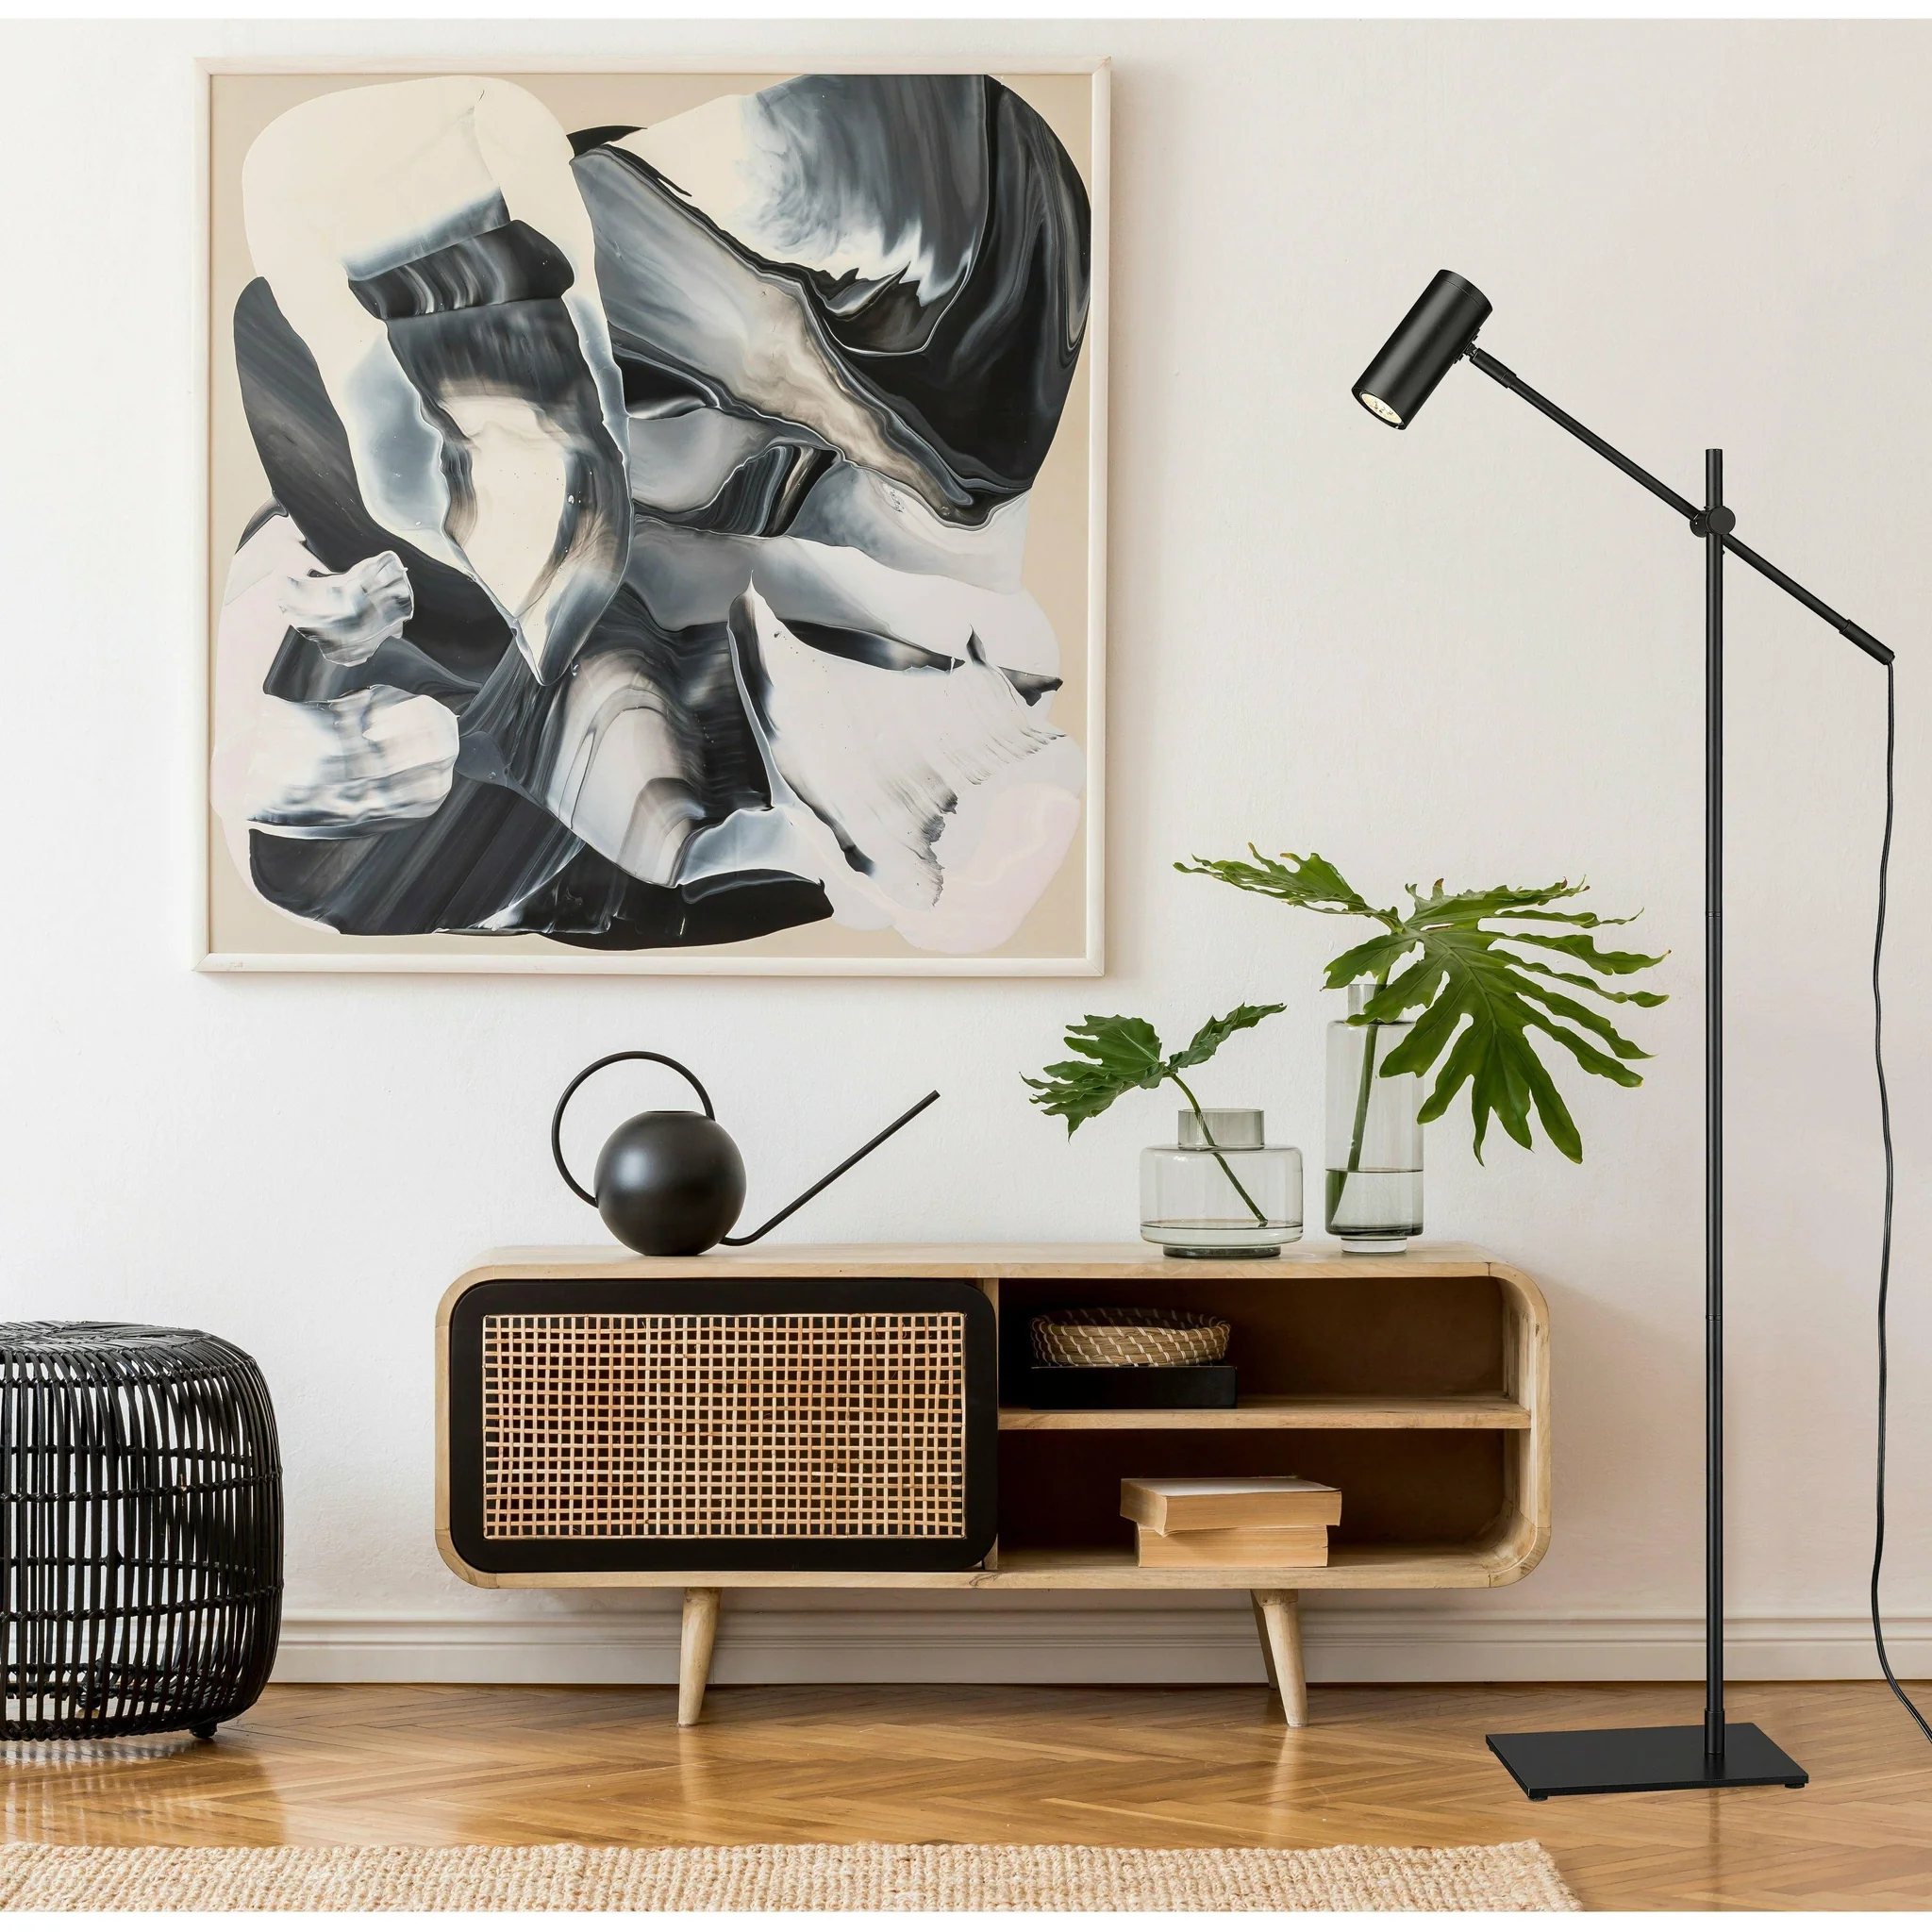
1438 332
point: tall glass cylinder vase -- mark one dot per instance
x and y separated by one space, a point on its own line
1374 1151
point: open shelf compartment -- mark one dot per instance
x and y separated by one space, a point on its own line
1419 1395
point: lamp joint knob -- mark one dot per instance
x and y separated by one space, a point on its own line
1719 522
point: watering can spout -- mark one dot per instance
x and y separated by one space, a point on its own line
742 1241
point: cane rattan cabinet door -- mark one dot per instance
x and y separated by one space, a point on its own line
701 1425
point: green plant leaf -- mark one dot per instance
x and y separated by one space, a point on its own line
1311 882
1369 961
1124 1048
1635 996
1580 946
1120 1054
1476 991
1216 1033
1461 967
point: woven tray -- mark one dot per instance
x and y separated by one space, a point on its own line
1128 1338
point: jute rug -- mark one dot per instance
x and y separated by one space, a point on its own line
752 1878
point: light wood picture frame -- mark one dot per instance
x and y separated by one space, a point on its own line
845 716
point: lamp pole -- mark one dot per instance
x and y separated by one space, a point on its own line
1714 515
1438 332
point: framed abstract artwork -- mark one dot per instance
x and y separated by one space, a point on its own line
656 521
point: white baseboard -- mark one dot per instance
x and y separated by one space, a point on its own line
1000 1643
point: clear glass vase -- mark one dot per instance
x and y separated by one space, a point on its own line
1221 1190
1373 1143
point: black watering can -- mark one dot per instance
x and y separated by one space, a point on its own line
673 1182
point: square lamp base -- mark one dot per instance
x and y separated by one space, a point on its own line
1666 1757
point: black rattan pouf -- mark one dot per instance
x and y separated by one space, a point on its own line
141 1530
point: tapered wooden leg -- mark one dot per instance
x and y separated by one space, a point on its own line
1267 1648
1278 1612
699 1632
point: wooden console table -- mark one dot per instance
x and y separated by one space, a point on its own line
1417 1384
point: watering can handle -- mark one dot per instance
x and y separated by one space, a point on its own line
610 1059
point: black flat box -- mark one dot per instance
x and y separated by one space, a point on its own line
1201 1385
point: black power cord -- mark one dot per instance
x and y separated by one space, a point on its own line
1890 1175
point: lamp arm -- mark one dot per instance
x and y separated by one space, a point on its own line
1882 654
1499 372
1693 513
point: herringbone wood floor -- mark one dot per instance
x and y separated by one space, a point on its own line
373 1764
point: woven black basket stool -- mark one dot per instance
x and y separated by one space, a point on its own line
141 1530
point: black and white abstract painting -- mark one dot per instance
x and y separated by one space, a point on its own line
624 528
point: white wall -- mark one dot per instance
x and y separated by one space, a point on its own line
1472 651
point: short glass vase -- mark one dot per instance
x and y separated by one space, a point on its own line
1221 1191
1374 1151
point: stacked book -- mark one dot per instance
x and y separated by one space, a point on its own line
1245 1521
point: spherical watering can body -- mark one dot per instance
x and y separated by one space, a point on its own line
669 1183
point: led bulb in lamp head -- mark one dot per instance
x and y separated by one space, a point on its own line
1432 338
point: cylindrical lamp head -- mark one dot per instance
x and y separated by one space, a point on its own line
1432 339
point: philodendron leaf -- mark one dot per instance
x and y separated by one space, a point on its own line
1462 966
1124 1049
1120 1054
1311 882
1476 1012
1210 1038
